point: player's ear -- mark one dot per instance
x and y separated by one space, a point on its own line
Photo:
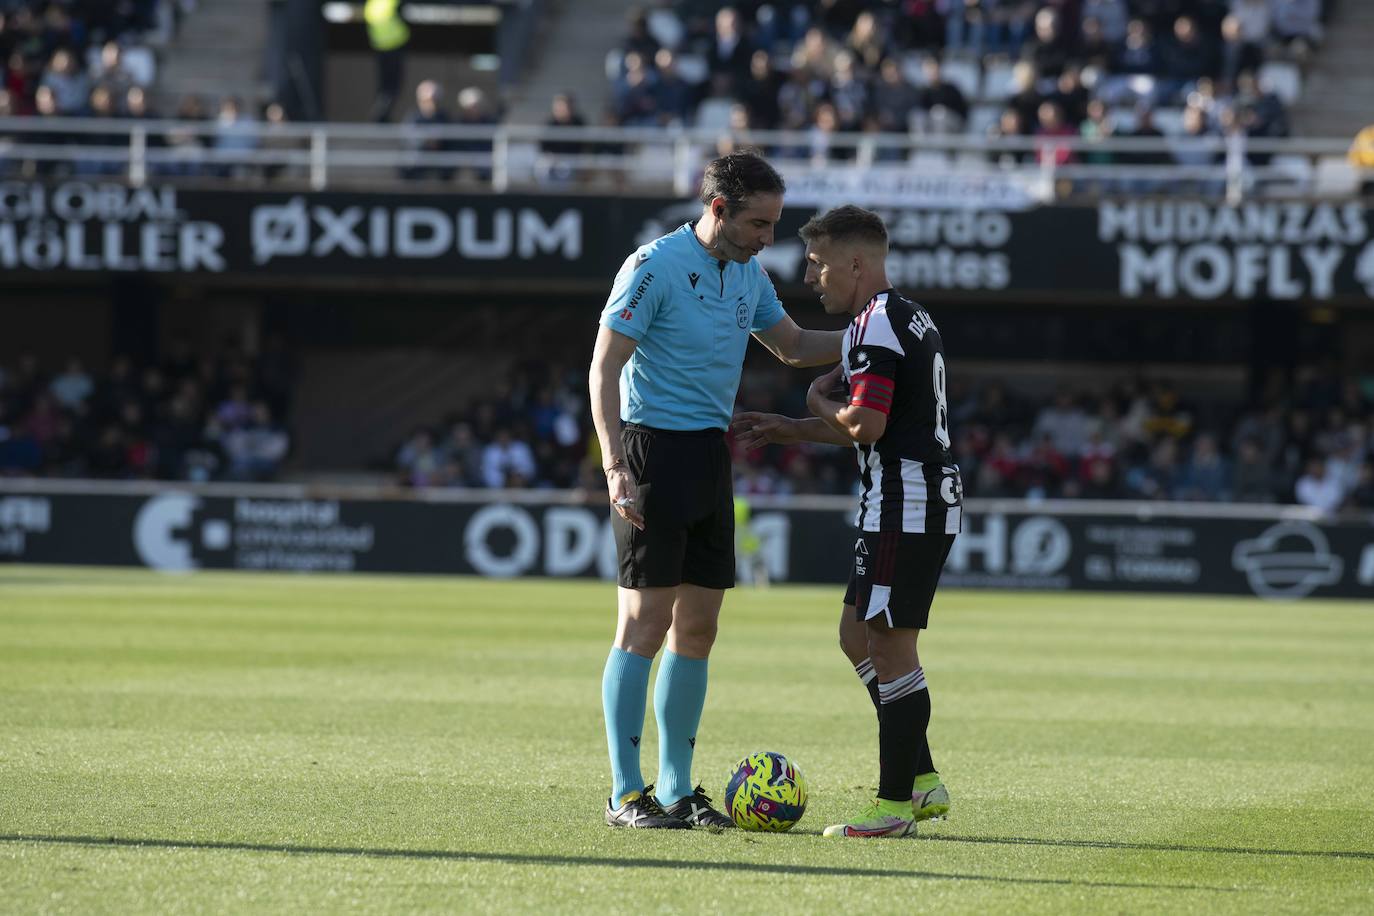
718 207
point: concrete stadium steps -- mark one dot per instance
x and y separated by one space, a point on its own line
1338 93
569 53
220 51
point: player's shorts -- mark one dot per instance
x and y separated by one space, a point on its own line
895 575
686 494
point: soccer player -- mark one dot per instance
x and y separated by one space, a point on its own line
896 416
667 363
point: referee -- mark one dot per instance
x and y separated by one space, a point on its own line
667 364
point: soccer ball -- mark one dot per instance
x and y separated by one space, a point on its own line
765 792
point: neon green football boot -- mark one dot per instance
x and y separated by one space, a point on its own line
881 818
930 798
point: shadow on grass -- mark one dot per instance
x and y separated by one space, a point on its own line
1152 847
506 858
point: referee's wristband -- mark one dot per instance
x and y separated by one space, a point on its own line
616 465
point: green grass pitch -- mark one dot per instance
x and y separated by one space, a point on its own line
228 743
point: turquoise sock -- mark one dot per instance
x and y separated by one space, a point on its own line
624 687
679 696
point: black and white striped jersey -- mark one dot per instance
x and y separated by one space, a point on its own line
894 362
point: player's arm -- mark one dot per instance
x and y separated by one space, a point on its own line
800 347
612 352
754 430
863 417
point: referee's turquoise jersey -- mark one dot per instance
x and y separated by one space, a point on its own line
692 316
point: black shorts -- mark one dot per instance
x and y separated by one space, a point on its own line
895 575
686 494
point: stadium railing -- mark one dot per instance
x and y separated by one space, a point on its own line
512 157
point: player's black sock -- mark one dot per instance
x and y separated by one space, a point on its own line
869 677
924 764
864 670
902 718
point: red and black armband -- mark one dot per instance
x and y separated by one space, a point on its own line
872 391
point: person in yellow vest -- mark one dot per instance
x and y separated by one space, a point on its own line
1361 156
748 546
388 34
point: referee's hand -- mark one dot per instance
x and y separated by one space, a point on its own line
625 496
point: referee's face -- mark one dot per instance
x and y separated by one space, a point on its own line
749 231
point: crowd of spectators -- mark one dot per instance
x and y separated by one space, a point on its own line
1313 445
183 418
535 433
1026 69
1140 441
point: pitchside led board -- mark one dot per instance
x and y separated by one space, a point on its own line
994 244
1273 553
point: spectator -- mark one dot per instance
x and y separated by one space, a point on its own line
474 111
1065 424
236 132
1111 16
507 462
1009 127
1138 55
1094 49
1183 61
894 99
278 140
462 457
102 106
1206 475
187 144
388 35
636 101
1318 489
1025 98
1239 52
759 92
73 387
673 96
938 92
867 42
1157 478
562 113
111 72
420 463
71 87
1052 127
848 93
1361 156
255 450
422 138
1254 480
1048 51
640 39
730 51
1071 96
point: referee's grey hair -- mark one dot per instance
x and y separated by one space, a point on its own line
737 177
847 224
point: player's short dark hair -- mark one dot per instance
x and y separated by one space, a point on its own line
847 224
737 177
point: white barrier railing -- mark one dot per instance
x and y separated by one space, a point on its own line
513 157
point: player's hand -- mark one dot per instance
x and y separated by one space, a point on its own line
822 388
625 495
754 430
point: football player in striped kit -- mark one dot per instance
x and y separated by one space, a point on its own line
896 416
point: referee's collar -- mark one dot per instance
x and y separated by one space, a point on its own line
690 229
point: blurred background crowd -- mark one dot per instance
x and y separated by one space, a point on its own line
201 419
